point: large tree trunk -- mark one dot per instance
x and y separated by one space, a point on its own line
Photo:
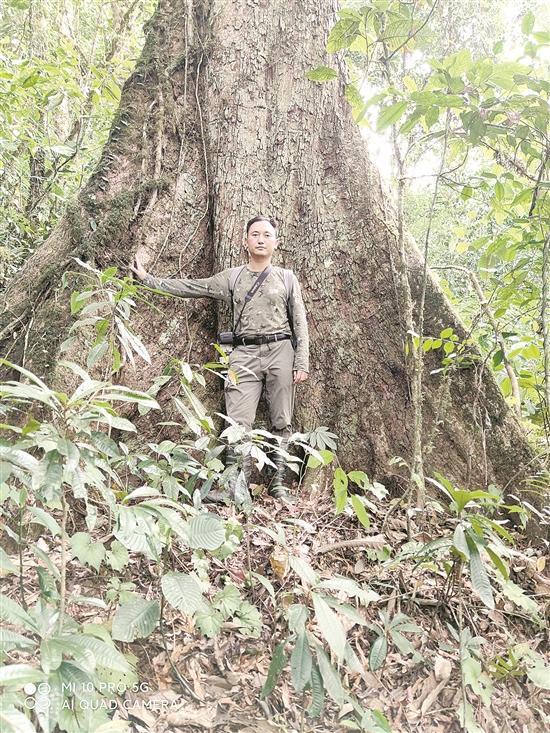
218 123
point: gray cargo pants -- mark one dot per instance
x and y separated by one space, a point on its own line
252 364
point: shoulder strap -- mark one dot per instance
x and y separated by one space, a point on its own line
234 273
251 293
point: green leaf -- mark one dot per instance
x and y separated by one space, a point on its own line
278 661
498 563
351 588
480 580
209 622
249 619
96 653
331 678
135 619
297 617
342 34
300 662
459 542
46 520
390 115
12 640
51 654
13 613
118 556
303 569
517 595
360 511
317 692
527 23
14 721
378 653
340 484
88 552
374 721
183 591
206 532
537 671
6 565
329 625
228 600
17 675
322 73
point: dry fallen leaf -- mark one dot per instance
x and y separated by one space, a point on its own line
279 562
442 668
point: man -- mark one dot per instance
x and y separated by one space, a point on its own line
271 335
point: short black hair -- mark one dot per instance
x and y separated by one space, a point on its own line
259 217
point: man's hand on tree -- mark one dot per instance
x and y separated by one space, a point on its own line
137 267
300 376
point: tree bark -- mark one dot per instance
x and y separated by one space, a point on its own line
217 123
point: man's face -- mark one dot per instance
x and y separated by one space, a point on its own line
261 239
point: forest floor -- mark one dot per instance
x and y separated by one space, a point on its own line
191 683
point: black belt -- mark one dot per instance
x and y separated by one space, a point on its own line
256 340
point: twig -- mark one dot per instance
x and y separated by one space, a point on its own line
375 542
63 583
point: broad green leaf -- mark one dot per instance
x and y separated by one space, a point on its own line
135 619
300 662
329 625
278 661
6 565
539 674
360 511
228 600
331 678
45 519
17 457
480 580
206 532
322 73
17 675
498 563
527 23
183 591
12 640
459 542
477 679
517 595
297 617
374 721
340 484
249 619
378 653
209 622
317 692
13 720
303 569
88 552
390 115
13 613
51 654
96 653
342 34
351 588
118 556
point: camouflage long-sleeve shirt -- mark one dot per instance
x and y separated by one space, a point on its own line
266 313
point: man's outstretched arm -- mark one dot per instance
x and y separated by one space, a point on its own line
216 287
299 326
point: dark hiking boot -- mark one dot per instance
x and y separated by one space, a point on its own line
278 489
